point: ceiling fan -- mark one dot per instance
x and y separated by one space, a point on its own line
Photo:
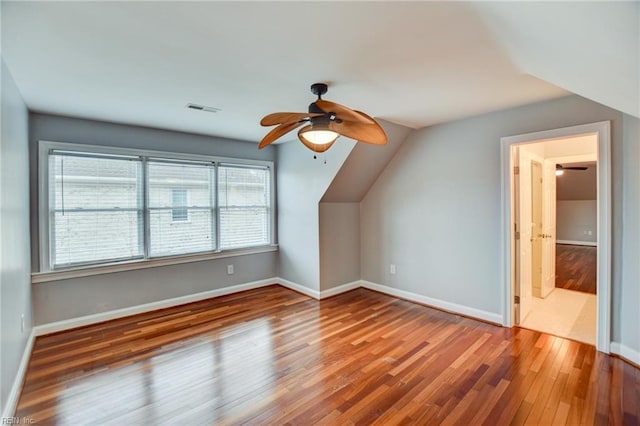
560 169
325 122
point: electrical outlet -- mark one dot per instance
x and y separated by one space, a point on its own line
229 269
590 232
22 323
392 269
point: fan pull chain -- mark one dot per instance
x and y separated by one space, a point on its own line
324 158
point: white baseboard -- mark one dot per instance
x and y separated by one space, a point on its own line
577 243
299 288
340 289
16 388
436 303
319 295
54 327
625 352
68 324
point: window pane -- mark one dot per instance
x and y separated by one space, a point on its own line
179 212
181 208
94 237
244 198
95 209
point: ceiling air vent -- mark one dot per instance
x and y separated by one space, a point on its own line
203 108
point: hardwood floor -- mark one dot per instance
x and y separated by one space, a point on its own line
273 356
576 267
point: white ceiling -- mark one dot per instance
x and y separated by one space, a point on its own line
413 63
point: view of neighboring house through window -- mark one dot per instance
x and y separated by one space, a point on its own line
179 211
95 208
108 207
244 200
176 227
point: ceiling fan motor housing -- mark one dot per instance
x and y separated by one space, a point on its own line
319 89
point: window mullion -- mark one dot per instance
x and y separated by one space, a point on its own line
216 208
145 208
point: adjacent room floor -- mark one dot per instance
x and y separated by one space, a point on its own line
564 313
576 267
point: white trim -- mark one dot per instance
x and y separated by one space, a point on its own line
603 130
68 324
41 277
340 289
625 352
578 243
299 288
16 388
436 303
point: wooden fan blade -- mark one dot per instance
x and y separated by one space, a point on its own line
278 132
285 117
312 147
574 168
362 132
342 112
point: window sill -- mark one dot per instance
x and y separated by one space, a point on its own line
86 271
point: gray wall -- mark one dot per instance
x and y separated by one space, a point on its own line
575 219
340 207
63 299
339 244
435 210
578 184
626 325
72 298
15 263
301 183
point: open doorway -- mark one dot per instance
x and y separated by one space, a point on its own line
536 237
557 218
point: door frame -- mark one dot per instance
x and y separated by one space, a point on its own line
603 305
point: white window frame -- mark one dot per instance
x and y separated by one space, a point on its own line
45 147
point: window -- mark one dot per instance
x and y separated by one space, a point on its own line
95 208
110 205
168 185
244 206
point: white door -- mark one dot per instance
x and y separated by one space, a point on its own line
523 255
549 228
537 234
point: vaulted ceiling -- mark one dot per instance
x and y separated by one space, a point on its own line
411 63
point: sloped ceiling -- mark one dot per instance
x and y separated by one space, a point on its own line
412 63
588 48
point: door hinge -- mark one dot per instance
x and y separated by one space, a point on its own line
516 299
517 235
516 170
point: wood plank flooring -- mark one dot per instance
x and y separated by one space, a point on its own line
273 356
576 267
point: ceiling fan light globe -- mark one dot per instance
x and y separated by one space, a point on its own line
319 137
559 172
